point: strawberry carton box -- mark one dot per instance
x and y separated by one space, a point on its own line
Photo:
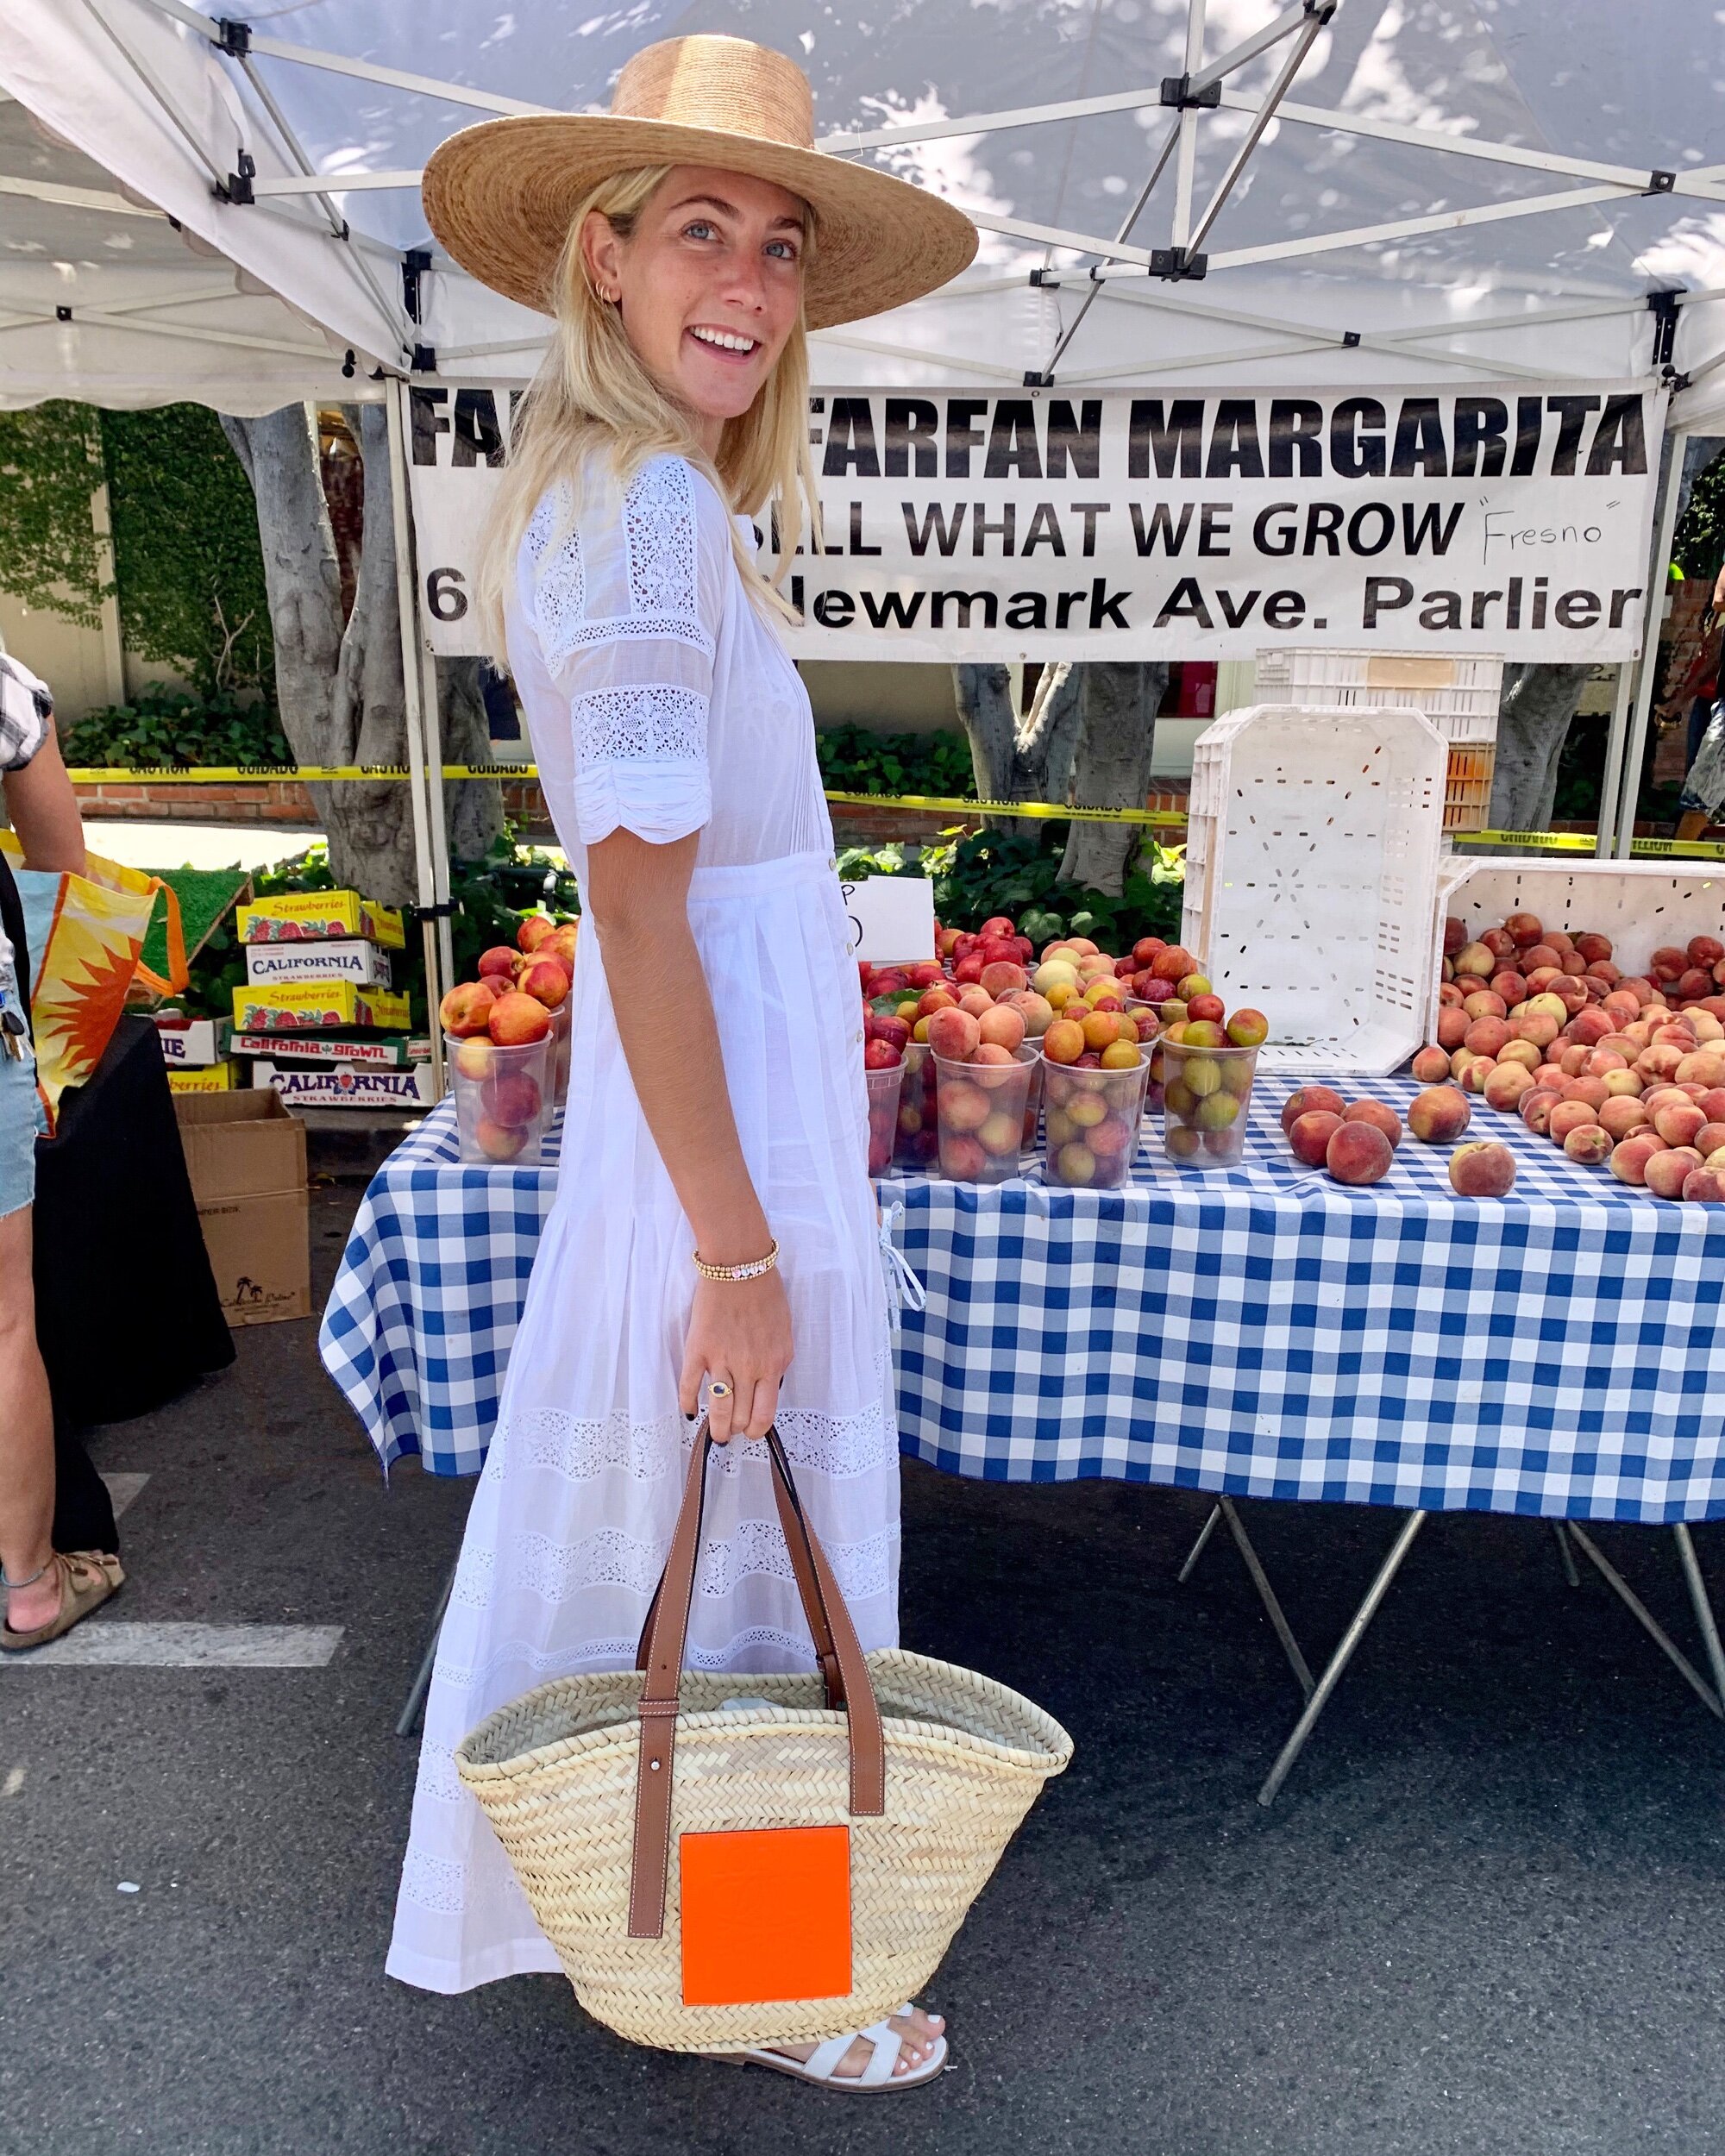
293 1006
349 958
345 1084
316 917
381 1052
189 1043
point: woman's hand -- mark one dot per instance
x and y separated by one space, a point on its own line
740 1331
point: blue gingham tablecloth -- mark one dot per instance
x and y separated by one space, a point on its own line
1261 1331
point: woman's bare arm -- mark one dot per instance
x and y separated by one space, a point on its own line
636 900
44 812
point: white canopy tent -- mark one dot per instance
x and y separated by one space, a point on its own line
1374 192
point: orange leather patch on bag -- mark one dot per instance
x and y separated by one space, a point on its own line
766 1915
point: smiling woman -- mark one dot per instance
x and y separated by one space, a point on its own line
717 1111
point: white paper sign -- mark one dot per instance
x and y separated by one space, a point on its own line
891 917
1509 518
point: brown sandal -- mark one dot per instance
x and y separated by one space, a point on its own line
87 1578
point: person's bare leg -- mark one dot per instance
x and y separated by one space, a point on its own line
27 1461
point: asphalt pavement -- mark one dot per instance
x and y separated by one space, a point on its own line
1485 1914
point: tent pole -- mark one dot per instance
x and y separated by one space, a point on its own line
419 782
437 793
1611 781
1647 666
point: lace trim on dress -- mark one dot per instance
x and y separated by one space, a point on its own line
559 582
622 628
656 721
659 522
465 1678
839 1445
757 1636
581 1447
437 1780
753 1548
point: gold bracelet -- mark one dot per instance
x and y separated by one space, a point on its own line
752 1270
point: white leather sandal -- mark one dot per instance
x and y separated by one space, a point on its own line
821 2066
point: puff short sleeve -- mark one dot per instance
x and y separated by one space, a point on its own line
626 601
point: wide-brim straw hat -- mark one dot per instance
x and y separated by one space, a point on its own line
500 195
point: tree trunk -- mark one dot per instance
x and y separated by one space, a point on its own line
1116 741
340 691
474 810
1533 722
1027 759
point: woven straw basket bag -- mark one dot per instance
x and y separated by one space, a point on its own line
714 1877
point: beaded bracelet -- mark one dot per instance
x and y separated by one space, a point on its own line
752 1270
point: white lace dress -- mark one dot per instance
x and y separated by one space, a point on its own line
660 701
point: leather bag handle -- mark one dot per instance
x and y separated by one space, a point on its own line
663 1639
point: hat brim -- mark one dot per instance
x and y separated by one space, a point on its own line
500 197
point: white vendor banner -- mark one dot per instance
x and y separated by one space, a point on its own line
1510 519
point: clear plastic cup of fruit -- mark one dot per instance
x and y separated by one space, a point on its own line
1033 1100
562 1032
1206 1094
1091 1119
916 1144
883 1115
503 1098
979 1113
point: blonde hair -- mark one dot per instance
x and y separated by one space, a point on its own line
593 390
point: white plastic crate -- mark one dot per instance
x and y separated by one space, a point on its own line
1312 854
1640 904
1460 695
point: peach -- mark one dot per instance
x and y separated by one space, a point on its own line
1708 1028
1593 948
1522 1052
1054 972
1535 1107
1704 951
1666 1174
1713 1102
1510 986
1002 1027
1588 1146
954 1035
1704 1186
1380 1116
1448 995
533 931
546 979
1629 1159
1658 1062
1499 942
1591 1090
516 1020
1455 935
963 1106
1486 1036
499 959
1541 1028
1507 1084
1539 978
1541 958
510 1098
1305 1099
974 999
1310 1136
1572 1059
473 1058
1552 1075
1173 964
1001 1133
1035 1011
1474 1078
1622 1115
1483 1168
1705 1068
1452 1025
1622 1085
1484 1004
1707 1140
933 1000
1477 958
1430 1066
1590 1026
1567 1116
1523 930
1462 1062
466 1009
962 1158
1003 977
500 1141
1439 1115
1602 1062
1679 1122
1359 1153
1551 1005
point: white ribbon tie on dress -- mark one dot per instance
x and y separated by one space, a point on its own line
904 1290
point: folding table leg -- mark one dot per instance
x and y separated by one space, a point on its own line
1224 1508
1649 1624
1703 1608
1197 1549
1570 1572
1344 1654
421 1683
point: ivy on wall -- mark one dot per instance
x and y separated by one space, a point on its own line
186 555
49 467
188 566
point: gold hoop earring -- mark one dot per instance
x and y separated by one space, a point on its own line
604 298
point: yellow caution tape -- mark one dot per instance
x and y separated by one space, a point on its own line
1583 842
324 774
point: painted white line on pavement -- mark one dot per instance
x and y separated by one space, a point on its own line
185 1647
124 1489
13 1781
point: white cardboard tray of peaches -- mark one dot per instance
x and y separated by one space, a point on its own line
978 1043
1624 1071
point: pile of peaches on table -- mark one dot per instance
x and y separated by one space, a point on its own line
1625 1071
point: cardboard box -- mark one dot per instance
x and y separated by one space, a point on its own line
191 1043
245 1156
352 959
346 1085
297 916
314 1046
294 1004
206 1078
